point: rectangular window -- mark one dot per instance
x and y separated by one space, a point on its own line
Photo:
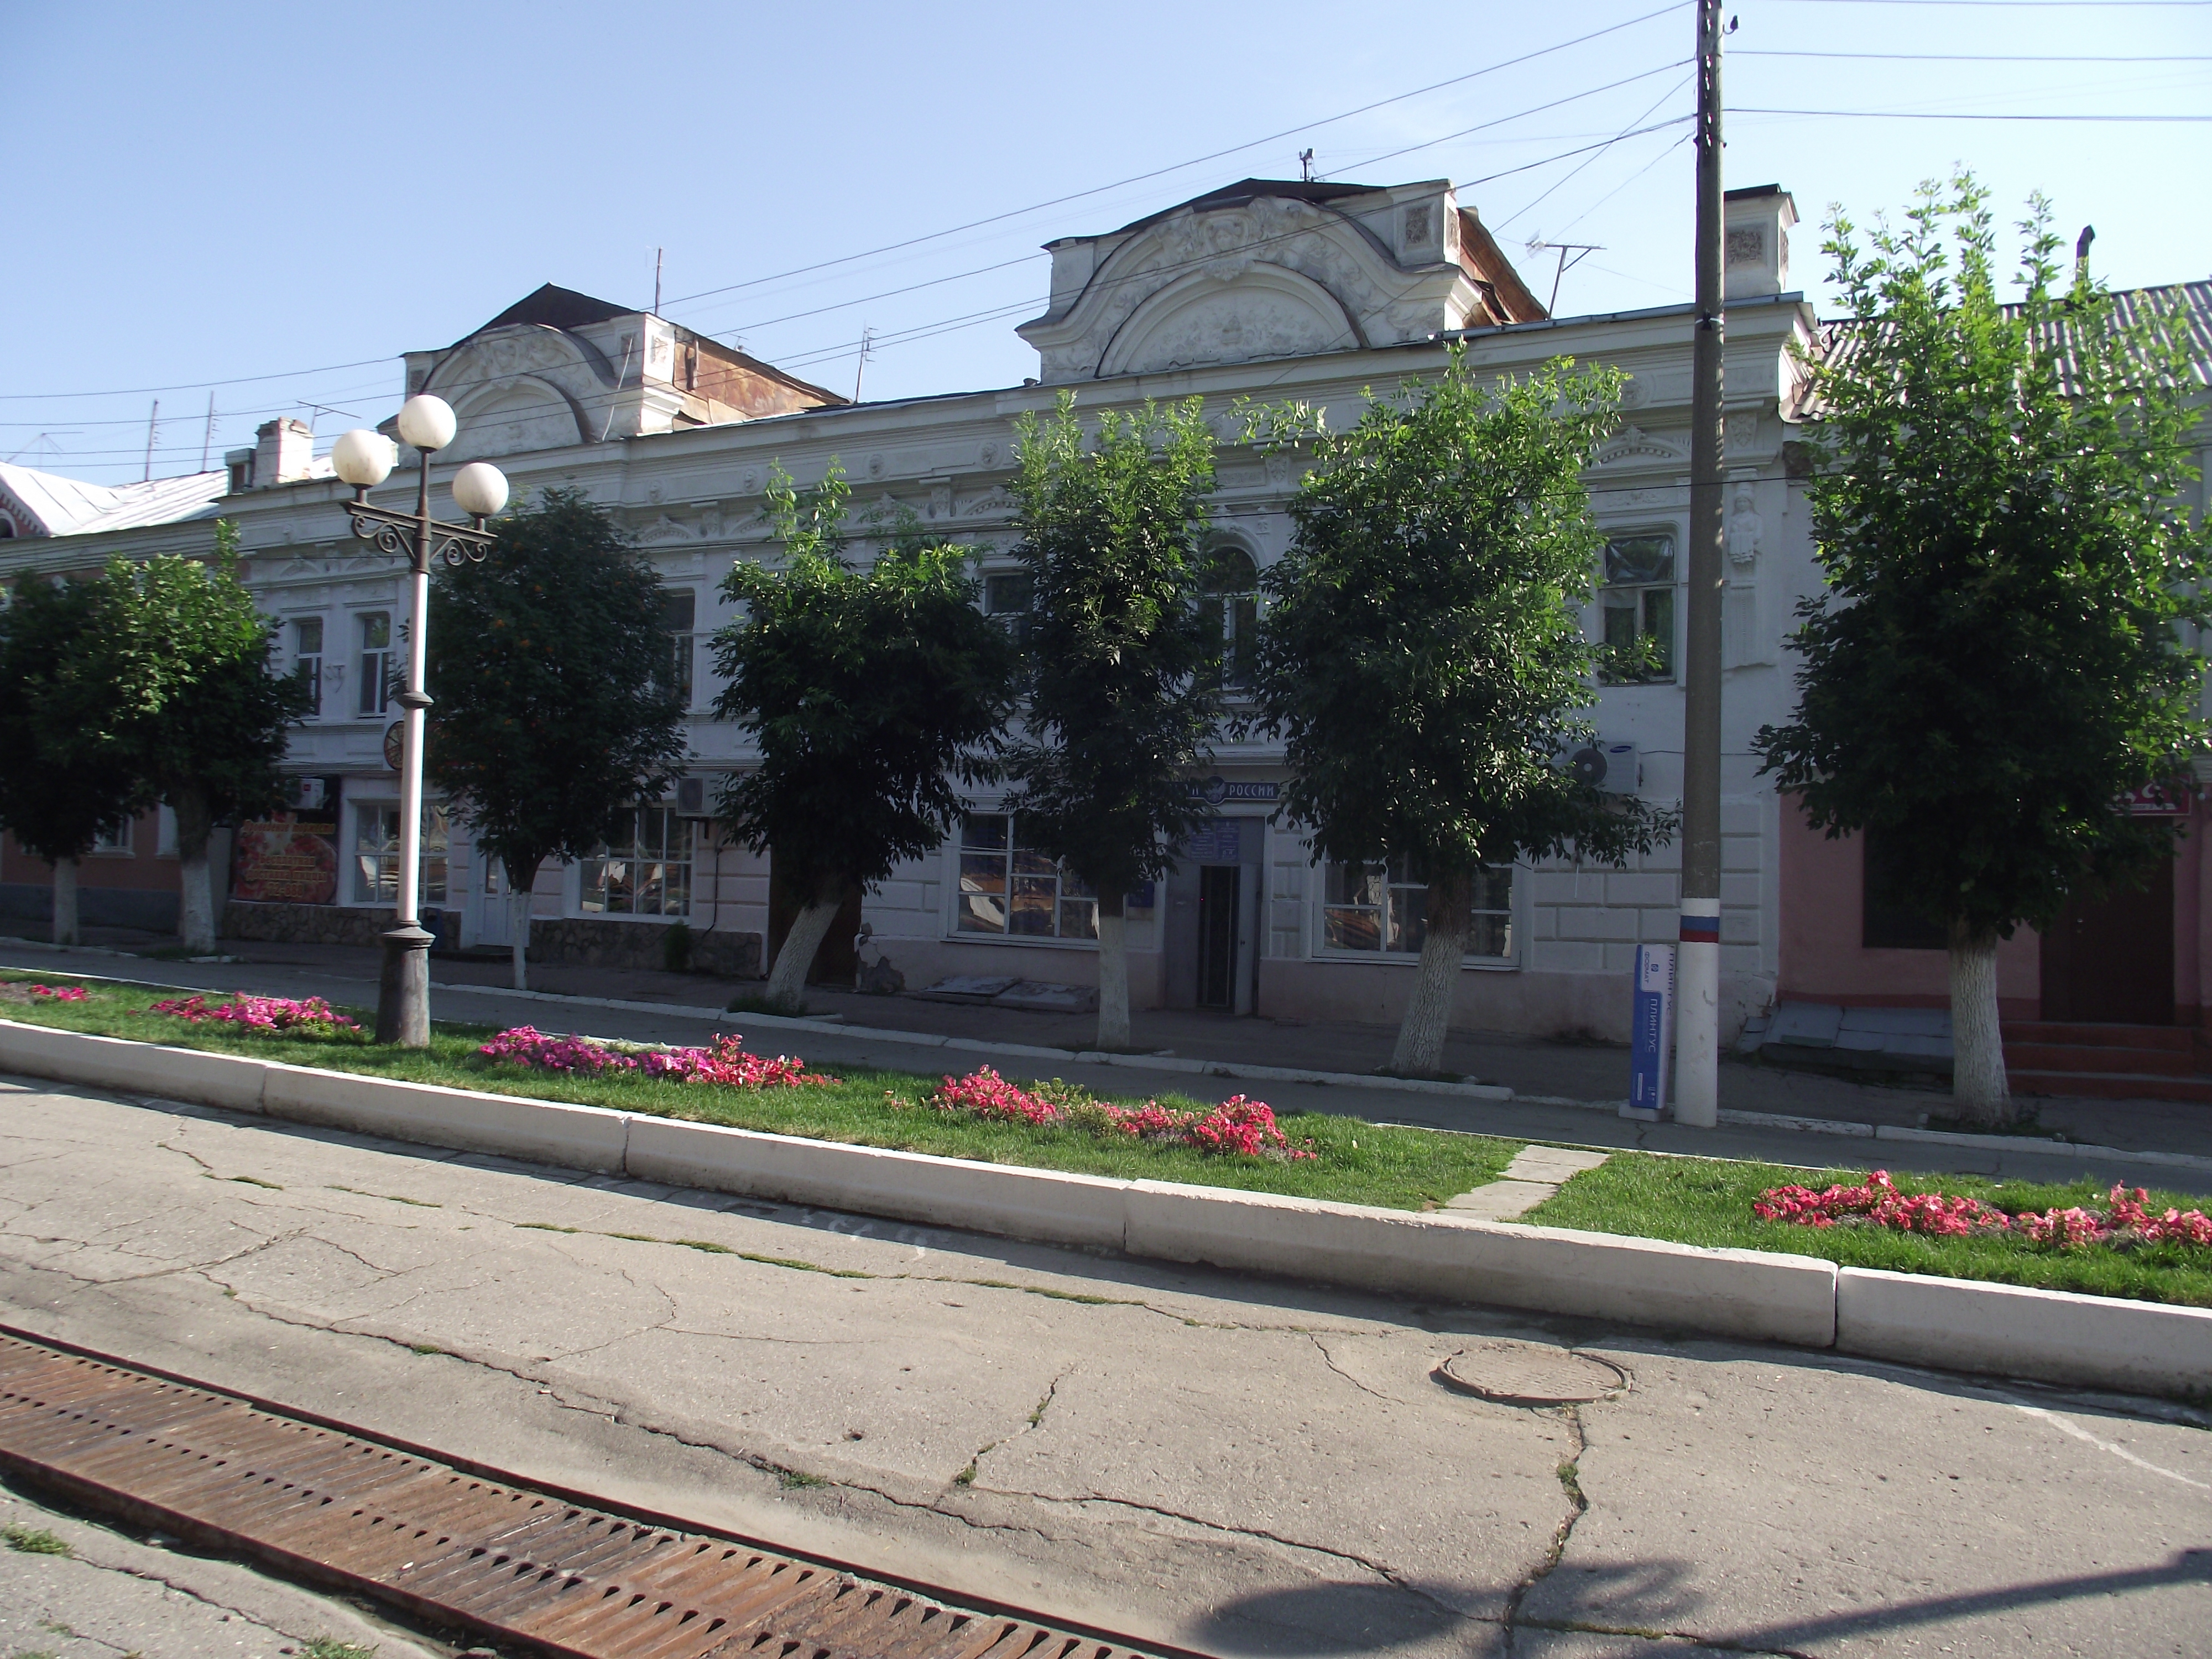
645 871
307 660
1382 909
1638 604
678 615
1016 891
376 854
1008 596
115 839
1887 921
375 691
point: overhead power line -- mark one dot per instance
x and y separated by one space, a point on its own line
1951 115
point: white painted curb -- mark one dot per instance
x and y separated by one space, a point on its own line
2052 1336
1955 1324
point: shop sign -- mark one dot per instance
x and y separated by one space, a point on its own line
1651 1033
1216 790
2152 801
285 860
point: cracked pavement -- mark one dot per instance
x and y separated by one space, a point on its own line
1187 1457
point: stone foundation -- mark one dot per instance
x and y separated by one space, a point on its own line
571 941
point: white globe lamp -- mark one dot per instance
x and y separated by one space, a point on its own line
480 490
363 458
426 423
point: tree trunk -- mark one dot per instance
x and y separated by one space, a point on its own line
195 904
1113 972
1979 1086
518 891
66 928
787 980
1420 1051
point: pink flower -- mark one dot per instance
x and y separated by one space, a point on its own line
1878 1202
725 1062
60 992
311 1014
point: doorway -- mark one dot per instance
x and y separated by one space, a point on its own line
2109 960
491 908
1216 936
1210 934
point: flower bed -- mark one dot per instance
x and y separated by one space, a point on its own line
1237 1128
44 993
724 1063
1878 1203
308 1016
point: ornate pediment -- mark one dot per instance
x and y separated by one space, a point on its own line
1632 444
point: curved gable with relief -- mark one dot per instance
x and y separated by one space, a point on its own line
1232 315
522 388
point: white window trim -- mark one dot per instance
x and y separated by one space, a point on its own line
572 890
1593 613
355 652
348 838
1317 930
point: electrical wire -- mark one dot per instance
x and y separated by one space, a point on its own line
1952 115
1592 159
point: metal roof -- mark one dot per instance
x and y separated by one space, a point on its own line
70 507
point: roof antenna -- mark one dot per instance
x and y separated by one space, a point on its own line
1582 250
1305 166
207 436
2081 253
656 281
867 346
153 425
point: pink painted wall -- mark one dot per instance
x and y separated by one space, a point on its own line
1823 886
142 869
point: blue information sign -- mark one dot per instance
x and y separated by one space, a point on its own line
1651 1036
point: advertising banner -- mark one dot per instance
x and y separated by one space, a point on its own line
1652 1036
285 860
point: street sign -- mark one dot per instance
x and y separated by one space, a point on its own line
1652 1034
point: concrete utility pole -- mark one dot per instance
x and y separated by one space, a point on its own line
1698 963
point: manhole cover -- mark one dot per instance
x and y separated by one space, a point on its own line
1526 1374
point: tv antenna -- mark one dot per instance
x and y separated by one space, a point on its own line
1305 166
867 350
1580 251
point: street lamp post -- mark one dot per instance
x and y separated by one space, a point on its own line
363 459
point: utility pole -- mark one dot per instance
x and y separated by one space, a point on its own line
1698 957
207 434
153 425
867 343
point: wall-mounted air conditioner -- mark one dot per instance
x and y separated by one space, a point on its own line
1612 767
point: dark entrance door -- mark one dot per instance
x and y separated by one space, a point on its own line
1218 886
835 961
2110 961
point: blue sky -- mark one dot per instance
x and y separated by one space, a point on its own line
205 193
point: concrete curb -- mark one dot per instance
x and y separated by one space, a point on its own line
1017 1050
1955 1324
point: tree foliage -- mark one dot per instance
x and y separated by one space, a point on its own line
1121 700
873 694
1423 656
554 709
58 789
1996 661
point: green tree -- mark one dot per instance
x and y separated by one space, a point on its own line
59 788
176 680
1423 656
1997 662
554 709
1121 697
872 693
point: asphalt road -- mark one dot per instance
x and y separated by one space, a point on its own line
1234 1465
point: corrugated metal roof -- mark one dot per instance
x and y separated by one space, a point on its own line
71 506
2188 303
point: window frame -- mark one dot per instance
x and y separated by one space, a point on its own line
1509 918
1671 638
434 877
683 643
376 681
1065 891
119 840
1237 612
310 661
633 853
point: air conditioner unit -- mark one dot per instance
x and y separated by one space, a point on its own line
691 798
1612 767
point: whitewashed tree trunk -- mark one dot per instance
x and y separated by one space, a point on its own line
1979 1085
1420 1051
518 908
1113 975
195 904
787 980
65 927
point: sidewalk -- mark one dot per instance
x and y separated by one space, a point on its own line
1541 1072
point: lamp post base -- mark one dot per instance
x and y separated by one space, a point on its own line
402 994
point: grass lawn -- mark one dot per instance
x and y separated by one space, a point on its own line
1357 1164
1708 1201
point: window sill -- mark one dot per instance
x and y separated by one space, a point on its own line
626 917
1034 939
1402 959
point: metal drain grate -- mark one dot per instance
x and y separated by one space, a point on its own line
521 1565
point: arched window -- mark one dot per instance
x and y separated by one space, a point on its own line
1231 601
